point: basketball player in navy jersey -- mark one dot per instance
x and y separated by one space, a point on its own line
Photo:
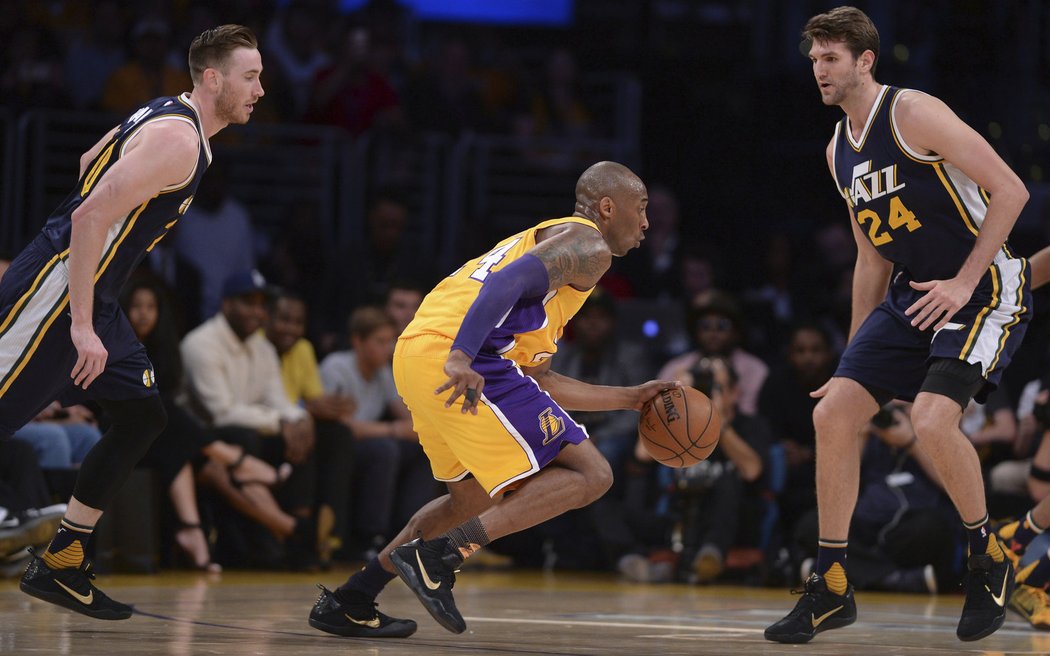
940 303
62 333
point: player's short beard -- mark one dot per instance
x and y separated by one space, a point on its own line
226 107
842 90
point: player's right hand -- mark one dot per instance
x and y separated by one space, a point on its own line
91 355
463 381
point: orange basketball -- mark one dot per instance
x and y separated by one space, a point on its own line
679 427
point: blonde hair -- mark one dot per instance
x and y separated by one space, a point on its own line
213 47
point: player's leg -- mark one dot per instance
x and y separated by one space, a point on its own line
1018 534
948 388
574 479
839 421
350 610
60 575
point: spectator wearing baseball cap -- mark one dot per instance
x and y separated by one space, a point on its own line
233 385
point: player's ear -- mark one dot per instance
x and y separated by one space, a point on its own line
867 60
211 79
606 206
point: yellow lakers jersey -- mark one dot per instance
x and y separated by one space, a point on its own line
530 331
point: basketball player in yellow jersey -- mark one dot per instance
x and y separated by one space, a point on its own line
486 334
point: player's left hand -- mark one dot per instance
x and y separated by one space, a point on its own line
648 390
943 298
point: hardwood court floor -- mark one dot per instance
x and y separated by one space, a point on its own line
183 614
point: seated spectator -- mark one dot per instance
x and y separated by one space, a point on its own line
215 238
556 107
184 439
285 328
652 272
61 436
352 93
715 495
291 41
32 70
389 252
392 477
445 97
596 356
233 385
903 535
786 404
148 74
716 326
403 298
95 54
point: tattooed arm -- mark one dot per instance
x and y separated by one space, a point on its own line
573 254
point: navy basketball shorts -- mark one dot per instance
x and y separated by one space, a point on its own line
889 355
37 354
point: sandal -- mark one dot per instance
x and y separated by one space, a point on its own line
283 471
186 548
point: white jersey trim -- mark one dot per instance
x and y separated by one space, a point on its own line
900 136
857 145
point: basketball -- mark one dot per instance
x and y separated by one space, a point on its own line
679 427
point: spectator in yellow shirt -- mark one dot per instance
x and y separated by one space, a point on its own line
285 327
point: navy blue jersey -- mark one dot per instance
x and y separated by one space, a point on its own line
133 236
923 214
919 211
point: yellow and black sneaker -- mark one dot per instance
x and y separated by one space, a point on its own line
818 610
988 586
1011 549
71 587
359 618
1032 604
428 568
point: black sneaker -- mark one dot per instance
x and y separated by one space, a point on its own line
358 619
428 568
71 587
988 587
818 610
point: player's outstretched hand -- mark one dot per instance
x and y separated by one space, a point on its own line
942 300
650 389
91 355
463 381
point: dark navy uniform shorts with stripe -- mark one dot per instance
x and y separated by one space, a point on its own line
36 352
888 354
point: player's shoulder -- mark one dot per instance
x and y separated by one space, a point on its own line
914 105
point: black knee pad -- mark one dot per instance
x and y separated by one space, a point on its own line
959 380
134 425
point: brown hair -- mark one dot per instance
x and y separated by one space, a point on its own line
847 24
366 320
213 47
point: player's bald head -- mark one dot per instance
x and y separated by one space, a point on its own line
606 179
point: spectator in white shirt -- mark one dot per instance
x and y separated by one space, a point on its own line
233 384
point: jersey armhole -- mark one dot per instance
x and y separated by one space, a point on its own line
168 117
834 160
898 138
